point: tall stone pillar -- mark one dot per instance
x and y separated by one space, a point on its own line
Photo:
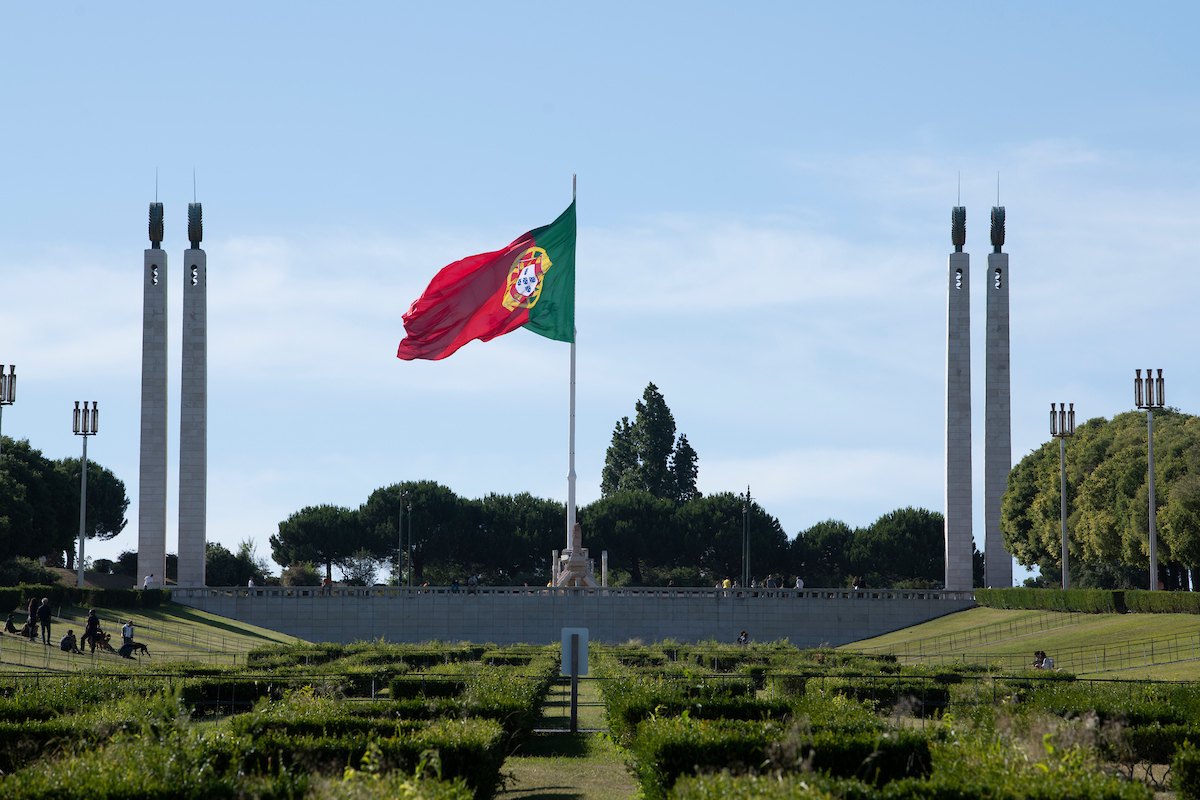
193 409
959 544
152 470
997 425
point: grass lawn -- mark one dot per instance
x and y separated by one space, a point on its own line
557 765
1161 646
171 632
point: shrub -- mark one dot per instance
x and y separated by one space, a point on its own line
25 570
1185 772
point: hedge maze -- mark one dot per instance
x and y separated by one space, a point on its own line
697 722
369 720
771 721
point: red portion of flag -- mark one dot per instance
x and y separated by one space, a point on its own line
464 301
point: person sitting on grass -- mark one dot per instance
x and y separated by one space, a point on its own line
10 626
67 643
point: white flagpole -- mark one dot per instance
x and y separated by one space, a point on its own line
571 434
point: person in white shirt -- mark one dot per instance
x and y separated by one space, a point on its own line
148 582
127 632
799 583
250 583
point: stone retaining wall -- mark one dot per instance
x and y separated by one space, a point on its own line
510 615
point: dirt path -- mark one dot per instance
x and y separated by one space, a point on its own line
557 765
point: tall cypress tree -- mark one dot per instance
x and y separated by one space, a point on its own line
645 456
654 440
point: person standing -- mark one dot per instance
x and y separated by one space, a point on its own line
127 633
148 581
43 615
91 630
799 582
33 607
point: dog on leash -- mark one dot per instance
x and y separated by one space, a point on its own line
103 642
129 648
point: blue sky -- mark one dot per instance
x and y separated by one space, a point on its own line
764 202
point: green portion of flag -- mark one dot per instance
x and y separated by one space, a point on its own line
553 316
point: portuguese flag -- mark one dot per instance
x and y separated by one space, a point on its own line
529 284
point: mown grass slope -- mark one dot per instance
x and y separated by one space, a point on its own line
171 632
1161 646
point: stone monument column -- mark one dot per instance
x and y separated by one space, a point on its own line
152 470
193 409
997 425
959 543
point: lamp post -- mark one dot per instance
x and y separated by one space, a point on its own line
400 544
84 423
410 545
8 390
1150 399
1062 426
746 540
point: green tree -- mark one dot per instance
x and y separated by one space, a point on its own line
39 503
434 517
37 517
323 534
620 462
630 526
903 547
684 471
821 554
514 535
644 456
1107 498
708 531
107 501
654 440
223 568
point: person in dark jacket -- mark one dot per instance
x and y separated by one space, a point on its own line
91 630
43 615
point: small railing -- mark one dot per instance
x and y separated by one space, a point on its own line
293 592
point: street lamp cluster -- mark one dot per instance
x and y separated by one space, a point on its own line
8 389
84 423
1062 426
1149 394
400 554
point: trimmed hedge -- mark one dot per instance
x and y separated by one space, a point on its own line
666 749
1090 601
1054 786
470 749
1146 602
17 597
